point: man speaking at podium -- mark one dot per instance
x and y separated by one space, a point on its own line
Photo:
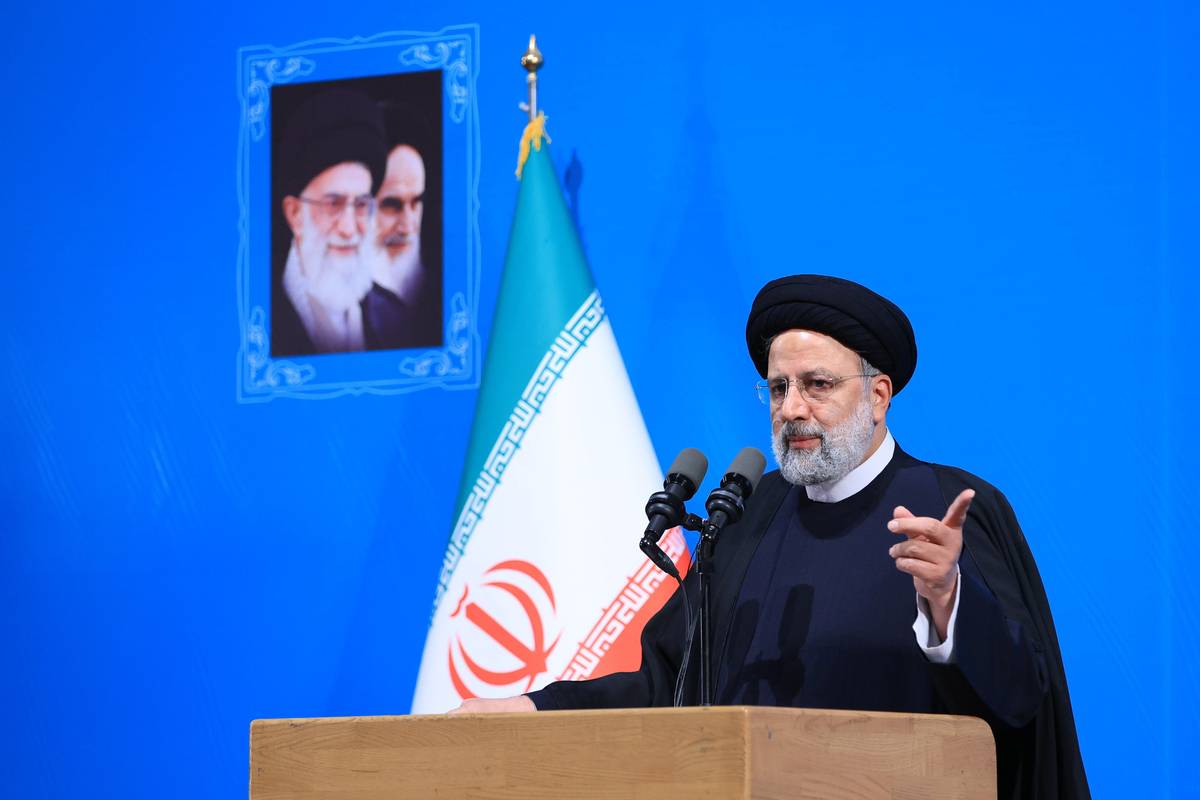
813 600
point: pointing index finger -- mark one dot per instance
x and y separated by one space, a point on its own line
956 515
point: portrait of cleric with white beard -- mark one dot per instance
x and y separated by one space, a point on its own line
328 162
404 306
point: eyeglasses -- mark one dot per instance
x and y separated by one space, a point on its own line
813 388
332 206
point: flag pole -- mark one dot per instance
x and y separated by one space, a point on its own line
535 131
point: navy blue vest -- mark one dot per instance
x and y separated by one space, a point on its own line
824 618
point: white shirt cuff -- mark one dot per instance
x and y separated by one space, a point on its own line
937 651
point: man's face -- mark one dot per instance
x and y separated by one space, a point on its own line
329 221
816 442
401 200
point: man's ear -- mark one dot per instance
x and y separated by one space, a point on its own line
291 213
881 397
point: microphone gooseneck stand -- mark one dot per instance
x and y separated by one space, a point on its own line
724 506
704 552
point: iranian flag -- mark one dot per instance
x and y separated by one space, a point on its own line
542 578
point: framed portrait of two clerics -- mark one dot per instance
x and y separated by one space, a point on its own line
358 263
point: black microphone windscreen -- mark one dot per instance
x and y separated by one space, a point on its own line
750 464
690 463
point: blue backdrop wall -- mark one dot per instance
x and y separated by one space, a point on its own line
1020 177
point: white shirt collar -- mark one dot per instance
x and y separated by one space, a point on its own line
856 479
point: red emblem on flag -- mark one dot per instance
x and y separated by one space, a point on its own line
512 652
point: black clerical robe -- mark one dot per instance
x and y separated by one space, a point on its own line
807 613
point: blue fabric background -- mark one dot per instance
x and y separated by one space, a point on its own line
1019 177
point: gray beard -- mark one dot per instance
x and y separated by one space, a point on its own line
843 447
400 274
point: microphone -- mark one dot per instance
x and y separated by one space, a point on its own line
725 503
665 509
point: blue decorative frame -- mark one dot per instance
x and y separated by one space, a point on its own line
456 365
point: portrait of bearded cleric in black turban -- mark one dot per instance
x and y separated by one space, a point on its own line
356 239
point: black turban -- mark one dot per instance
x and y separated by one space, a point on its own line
331 127
870 325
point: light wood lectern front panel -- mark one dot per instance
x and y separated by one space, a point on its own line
667 753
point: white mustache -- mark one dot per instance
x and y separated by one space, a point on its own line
799 429
399 239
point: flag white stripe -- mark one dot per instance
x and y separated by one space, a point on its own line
581 480
566 344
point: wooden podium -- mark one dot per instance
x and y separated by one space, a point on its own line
730 752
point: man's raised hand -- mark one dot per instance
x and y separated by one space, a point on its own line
930 554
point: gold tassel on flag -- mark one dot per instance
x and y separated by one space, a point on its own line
535 131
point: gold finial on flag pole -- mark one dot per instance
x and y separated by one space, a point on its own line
532 61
